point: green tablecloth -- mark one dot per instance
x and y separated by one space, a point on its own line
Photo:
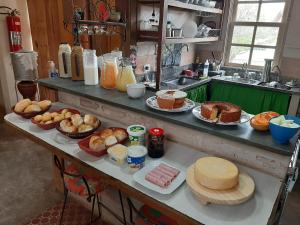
251 100
198 94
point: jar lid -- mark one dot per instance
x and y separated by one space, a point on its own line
156 132
136 130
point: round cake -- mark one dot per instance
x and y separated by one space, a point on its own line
170 99
216 173
224 111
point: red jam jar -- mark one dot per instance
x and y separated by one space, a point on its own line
156 142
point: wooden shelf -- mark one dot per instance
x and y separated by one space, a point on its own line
93 22
190 40
193 7
148 35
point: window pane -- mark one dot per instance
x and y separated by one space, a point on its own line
247 12
260 54
271 12
242 34
266 36
239 54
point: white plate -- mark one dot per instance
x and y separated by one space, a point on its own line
188 105
139 177
245 117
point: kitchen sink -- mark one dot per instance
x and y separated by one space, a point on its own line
175 83
239 80
274 85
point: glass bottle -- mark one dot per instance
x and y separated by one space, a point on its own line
109 73
90 67
125 76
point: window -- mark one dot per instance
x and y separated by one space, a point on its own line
255 31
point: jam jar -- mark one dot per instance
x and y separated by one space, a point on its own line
156 142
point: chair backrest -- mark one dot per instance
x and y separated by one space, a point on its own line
61 168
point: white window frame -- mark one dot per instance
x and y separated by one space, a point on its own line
280 39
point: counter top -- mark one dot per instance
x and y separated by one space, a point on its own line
242 133
292 91
255 211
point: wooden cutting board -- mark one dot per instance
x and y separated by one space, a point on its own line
241 193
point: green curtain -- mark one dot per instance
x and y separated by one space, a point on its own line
198 94
251 100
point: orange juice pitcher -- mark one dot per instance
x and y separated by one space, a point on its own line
126 75
109 73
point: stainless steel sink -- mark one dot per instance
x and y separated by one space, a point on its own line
189 81
277 86
239 80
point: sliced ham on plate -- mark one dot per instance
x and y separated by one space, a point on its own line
162 175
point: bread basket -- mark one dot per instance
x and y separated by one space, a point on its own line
77 135
30 114
54 124
84 143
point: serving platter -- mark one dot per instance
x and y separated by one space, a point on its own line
188 105
234 196
245 117
139 177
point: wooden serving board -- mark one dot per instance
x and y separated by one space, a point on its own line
241 193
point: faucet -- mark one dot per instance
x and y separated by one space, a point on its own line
245 72
267 70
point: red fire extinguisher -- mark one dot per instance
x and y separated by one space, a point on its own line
14 29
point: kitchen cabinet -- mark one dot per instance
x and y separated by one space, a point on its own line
252 100
198 94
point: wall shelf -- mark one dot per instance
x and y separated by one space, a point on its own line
193 7
190 40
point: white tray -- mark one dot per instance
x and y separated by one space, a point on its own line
188 105
245 117
139 177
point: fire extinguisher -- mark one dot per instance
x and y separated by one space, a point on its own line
14 28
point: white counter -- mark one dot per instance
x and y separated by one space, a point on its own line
254 212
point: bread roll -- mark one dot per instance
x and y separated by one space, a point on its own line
76 120
110 140
84 128
120 134
32 108
106 133
21 105
58 118
46 117
54 114
96 143
64 111
38 118
68 115
48 122
44 104
91 120
67 126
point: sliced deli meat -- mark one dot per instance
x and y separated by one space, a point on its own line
162 175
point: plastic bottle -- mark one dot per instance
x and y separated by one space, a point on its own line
52 71
205 69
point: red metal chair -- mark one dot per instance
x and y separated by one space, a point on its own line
86 186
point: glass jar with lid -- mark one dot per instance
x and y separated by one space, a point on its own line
126 75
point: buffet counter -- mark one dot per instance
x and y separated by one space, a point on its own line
181 204
242 133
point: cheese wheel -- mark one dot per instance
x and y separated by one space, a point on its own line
216 173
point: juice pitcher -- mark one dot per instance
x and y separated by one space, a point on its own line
125 76
109 73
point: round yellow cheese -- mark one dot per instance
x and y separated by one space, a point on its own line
216 173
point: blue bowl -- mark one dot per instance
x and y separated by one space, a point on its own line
282 135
